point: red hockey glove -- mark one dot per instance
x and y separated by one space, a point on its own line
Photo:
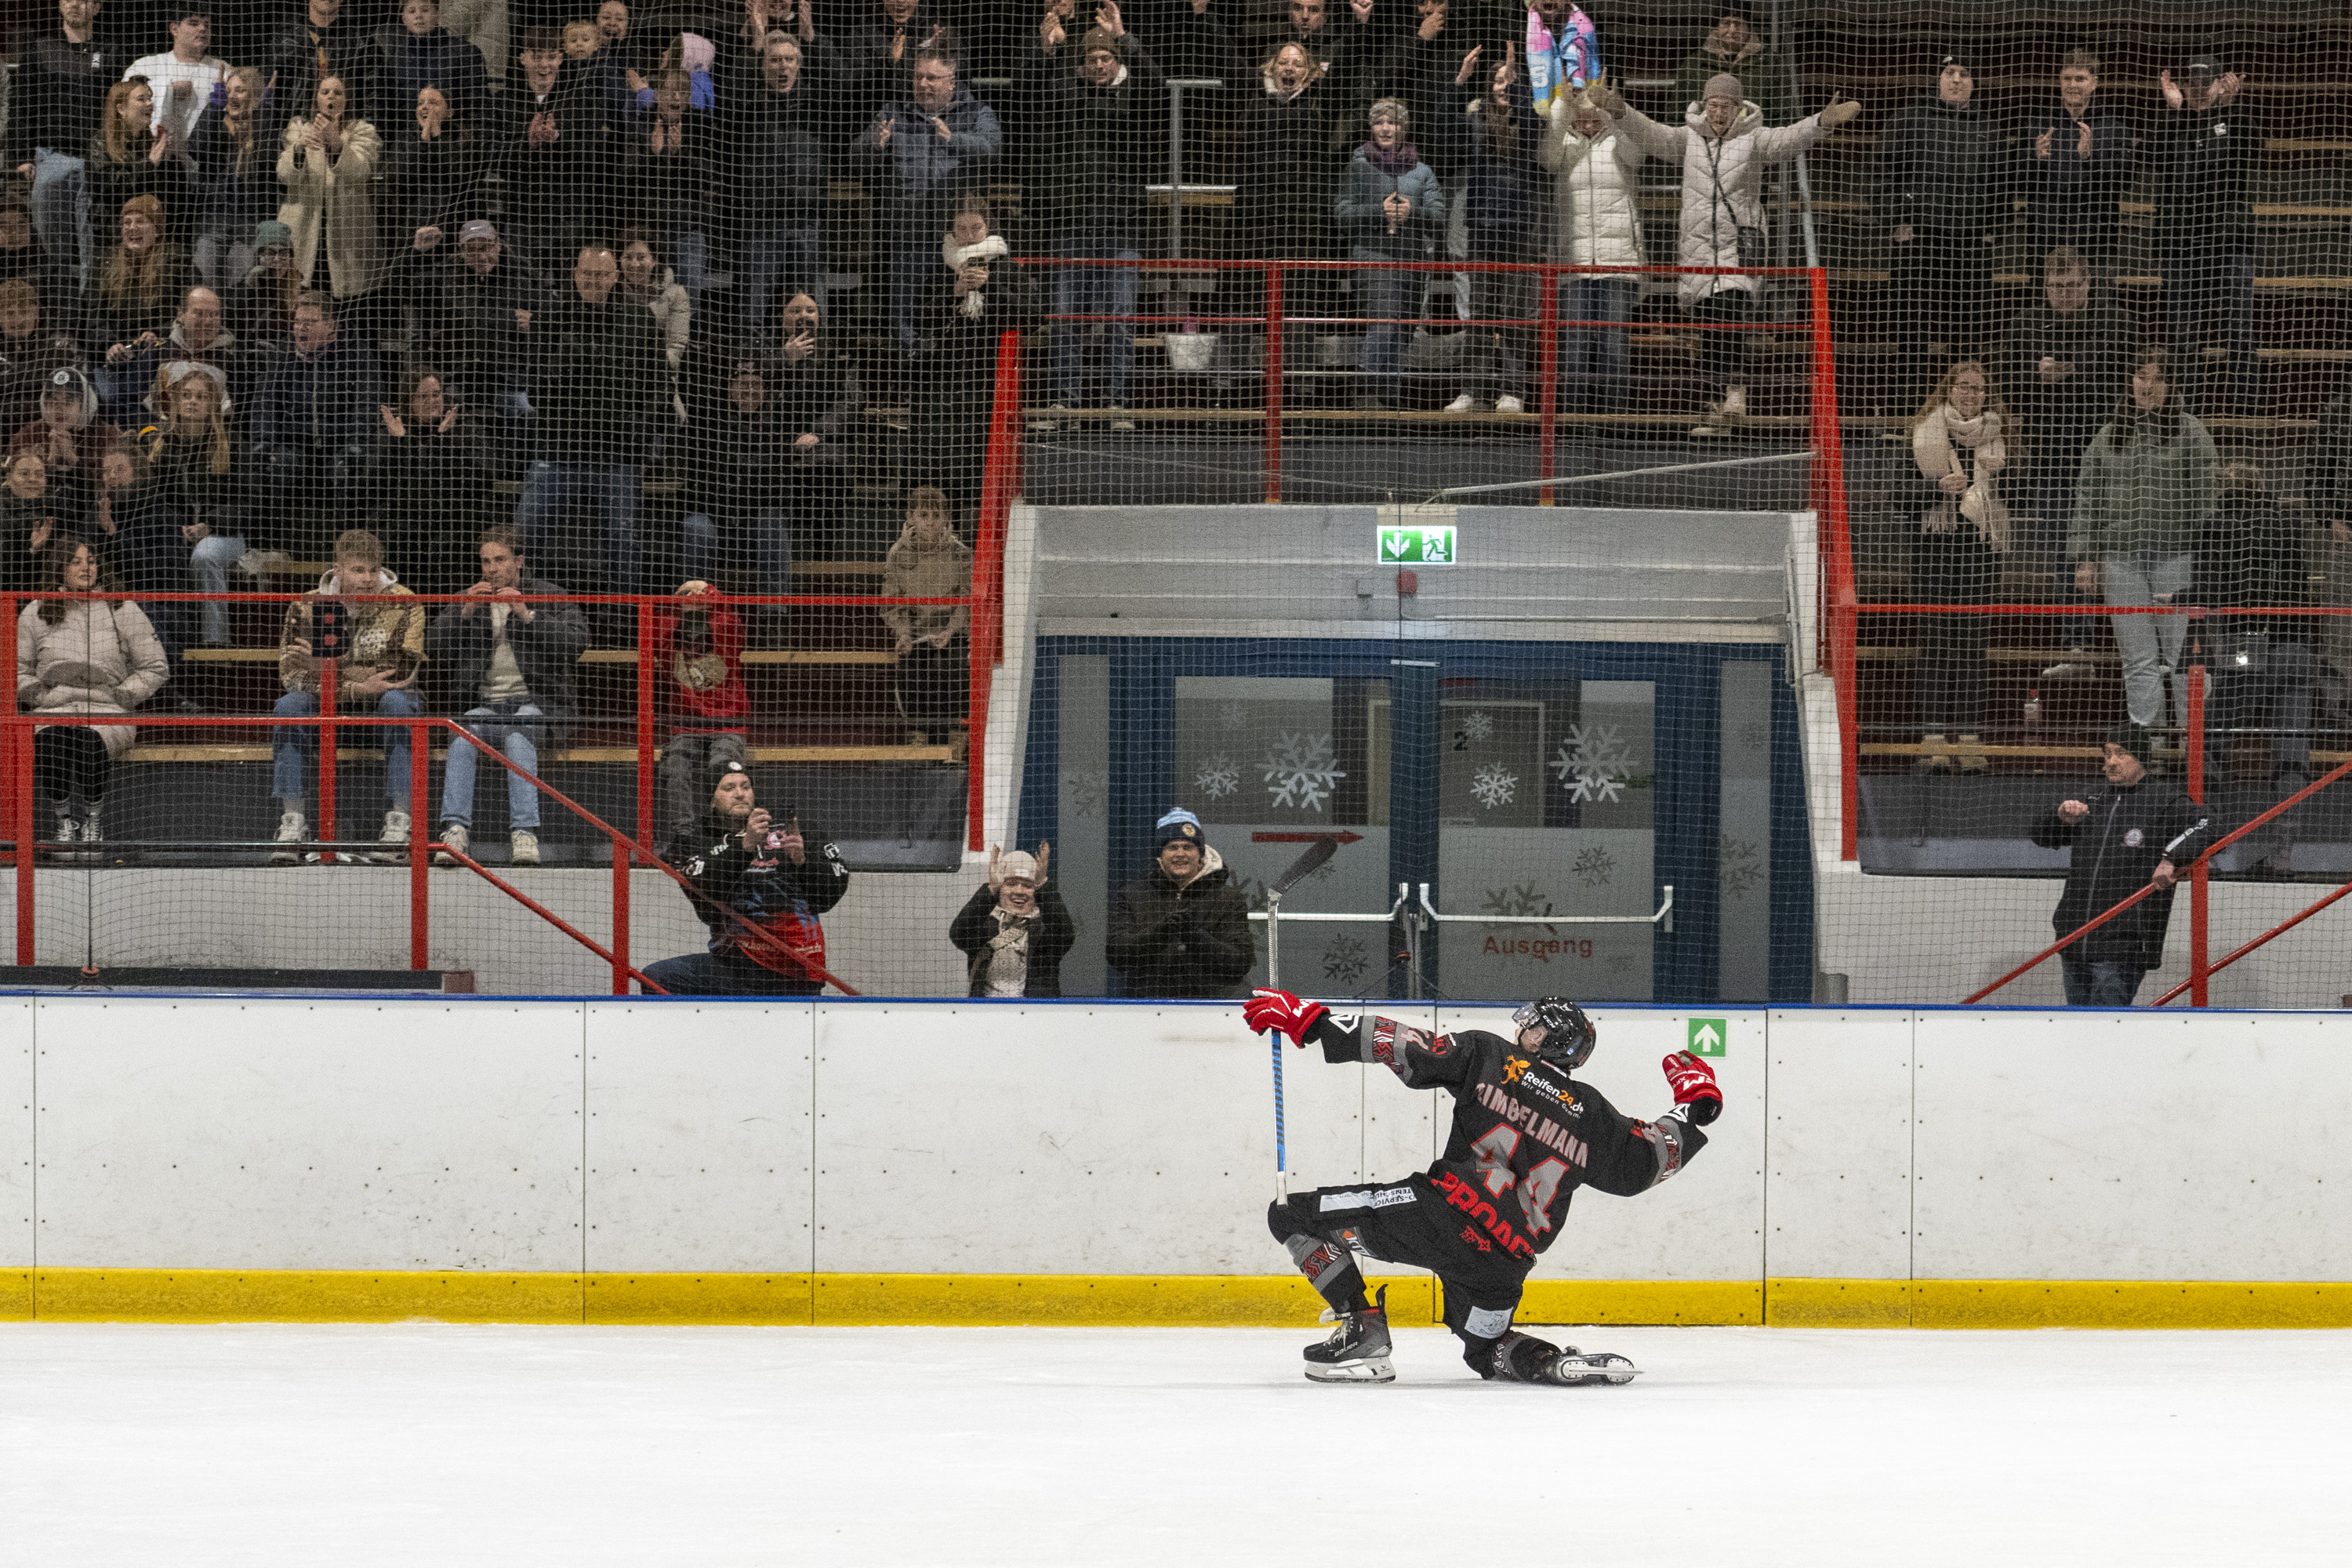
1693 1082
1280 1010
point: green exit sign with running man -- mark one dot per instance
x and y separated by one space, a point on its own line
1707 1036
1430 544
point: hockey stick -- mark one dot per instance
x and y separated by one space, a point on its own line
1321 850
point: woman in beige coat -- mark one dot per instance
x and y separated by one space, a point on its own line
326 164
1960 441
932 642
86 657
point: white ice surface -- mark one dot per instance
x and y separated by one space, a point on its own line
428 1444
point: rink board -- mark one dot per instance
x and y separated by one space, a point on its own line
216 1159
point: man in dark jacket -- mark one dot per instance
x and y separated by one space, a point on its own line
312 423
55 104
2079 157
2061 371
1944 181
1183 931
2134 832
920 152
551 155
422 53
472 308
2327 482
322 32
2255 556
760 891
596 377
782 104
2204 152
510 664
1091 123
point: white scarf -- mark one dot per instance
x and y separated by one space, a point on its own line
1008 954
958 257
1933 442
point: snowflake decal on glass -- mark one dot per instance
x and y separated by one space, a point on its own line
1218 777
1595 867
1741 867
1344 961
1301 770
1233 715
1494 785
1525 898
1087 787
1479 726
1593 762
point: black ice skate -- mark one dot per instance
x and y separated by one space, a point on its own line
1358 1350
1523 1358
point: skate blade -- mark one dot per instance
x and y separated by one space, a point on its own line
1590 1371
1372 1369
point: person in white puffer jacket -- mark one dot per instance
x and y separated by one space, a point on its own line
1723 147
1596 180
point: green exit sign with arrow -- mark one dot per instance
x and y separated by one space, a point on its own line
1430 544
1707 1036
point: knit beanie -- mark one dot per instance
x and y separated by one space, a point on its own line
2134 739
1723 84
1179 826
1097 38
149 207
1019 863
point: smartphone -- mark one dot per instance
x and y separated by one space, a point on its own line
330 628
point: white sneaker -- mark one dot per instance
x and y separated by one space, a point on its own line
395 831
1047 427
91 832
68 829
455 835
292 828
524 844
1465 403
1509 405
1119 418
1735 403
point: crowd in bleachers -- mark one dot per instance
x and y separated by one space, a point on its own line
277 268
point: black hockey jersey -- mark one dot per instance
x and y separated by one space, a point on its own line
1525 1135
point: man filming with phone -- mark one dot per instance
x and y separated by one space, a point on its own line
761 887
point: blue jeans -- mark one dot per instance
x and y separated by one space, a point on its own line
519 742
2212 287
724 975
1392 295
550 489
717 550
61 210
775 260
297 748
2099 983
209 563
1595 362
1094 291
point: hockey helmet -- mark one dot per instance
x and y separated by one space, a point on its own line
1571 1038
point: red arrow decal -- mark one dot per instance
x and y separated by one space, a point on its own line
1343 837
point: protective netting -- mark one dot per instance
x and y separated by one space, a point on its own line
721 295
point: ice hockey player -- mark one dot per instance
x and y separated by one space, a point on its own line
1525 1136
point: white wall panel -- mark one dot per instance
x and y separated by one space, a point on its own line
1707 1223
1052 1138
1840 1140
699 1141
299 1134
2140 1146
16 1132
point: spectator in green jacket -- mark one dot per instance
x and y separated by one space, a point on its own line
2150 481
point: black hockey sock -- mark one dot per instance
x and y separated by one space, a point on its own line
1331 1270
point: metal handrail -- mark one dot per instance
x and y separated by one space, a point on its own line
1273 917
1664 918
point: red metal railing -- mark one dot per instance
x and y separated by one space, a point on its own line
1275 320
17 791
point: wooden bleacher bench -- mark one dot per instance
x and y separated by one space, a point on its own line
607 657
229 753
